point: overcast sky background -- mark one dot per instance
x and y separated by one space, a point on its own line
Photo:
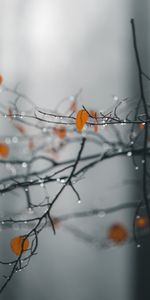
54 48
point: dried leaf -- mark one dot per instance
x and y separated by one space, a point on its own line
141 222
20 128
94 115
18 244
4 150
1 79
60 132
73 106
10 113
31 144
117 233
81 119
141 125
56 222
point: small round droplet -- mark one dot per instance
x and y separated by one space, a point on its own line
44 129
115 98
7 140
24 165
129 153
15 140
102 214
30 210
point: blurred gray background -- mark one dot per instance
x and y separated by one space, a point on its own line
54 48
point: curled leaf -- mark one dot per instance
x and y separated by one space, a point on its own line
4 150
19 244
81 119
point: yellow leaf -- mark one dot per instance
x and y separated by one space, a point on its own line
81 119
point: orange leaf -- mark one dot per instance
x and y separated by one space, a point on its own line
81 119
4 150
18 244
141 125
1 79
60 132
141 222
117 233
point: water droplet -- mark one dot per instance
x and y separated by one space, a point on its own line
30 210
24 164
102 214
129 153
115 98
15 139
7 140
